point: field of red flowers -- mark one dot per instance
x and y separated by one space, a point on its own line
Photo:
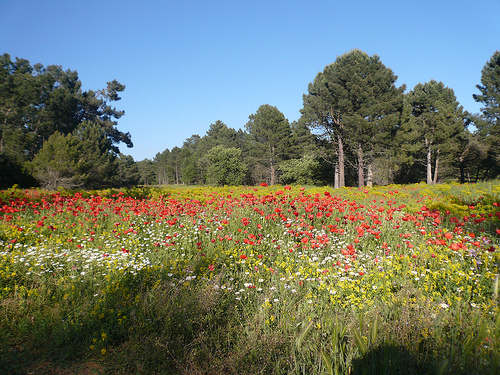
260 279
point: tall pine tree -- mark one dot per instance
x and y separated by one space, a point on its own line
434 126
354 103
488 125
270 139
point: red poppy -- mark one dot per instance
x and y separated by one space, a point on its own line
243 256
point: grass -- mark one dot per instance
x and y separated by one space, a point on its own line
264 280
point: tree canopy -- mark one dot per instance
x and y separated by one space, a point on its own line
354 103
357 127
488 124
434 126
270 136
37 102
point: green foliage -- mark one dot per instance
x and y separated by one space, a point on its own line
82 159
488 125
37 102
433 129
304 171
490 90
270 139
354 104
128 171
226 166
146 172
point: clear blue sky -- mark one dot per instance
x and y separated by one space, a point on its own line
187 64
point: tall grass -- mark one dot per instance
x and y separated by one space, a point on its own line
137 292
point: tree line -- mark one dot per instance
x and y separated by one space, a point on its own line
357 128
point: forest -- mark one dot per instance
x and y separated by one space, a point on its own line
357 128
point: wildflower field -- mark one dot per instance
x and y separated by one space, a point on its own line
247 280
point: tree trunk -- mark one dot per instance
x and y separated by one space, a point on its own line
429 161
341 161
336 184
462 170
273 172
361 166
272 166
436 167
369 172
369 175
461 160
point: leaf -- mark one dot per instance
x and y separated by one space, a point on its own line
300 339
374 330
327 361
360 343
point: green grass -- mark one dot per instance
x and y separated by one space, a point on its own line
133 292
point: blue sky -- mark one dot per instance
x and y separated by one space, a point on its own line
187 64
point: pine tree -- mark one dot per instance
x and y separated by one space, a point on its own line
354 104
37 102
81 159
226 166
488 125
434 126
270 139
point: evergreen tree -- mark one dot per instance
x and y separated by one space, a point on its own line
226 166
163 168
81 159
488 125
303 141
434 125
176 162
219 134
36 102
354 103
190 155
128 171
270 139
147 172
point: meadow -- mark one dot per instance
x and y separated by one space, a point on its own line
251 280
